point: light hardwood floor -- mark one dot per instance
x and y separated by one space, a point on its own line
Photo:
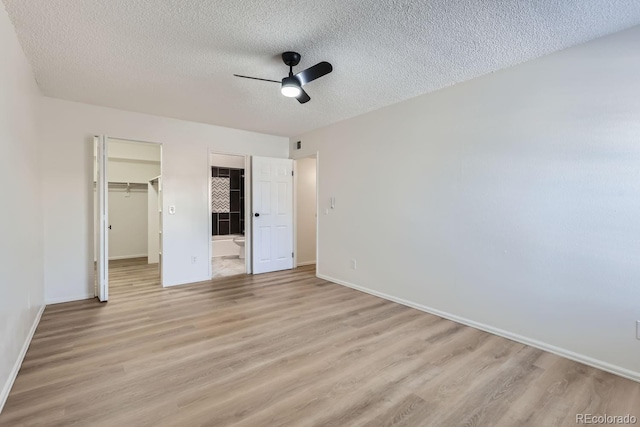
289 349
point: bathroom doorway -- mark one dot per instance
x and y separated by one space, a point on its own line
229 207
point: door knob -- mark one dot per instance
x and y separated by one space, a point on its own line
256 214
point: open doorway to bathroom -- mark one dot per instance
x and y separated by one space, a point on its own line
228 214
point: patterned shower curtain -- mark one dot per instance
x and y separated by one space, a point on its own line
220 201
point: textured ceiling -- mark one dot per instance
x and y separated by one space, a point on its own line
177 58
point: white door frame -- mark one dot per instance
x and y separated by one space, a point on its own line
102 218
102 184
247 208
295 206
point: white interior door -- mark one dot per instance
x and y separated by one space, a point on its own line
272 208
102 213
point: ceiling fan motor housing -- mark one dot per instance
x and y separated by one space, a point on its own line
291 58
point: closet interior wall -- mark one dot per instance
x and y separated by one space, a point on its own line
131 167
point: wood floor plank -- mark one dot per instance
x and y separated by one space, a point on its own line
287 349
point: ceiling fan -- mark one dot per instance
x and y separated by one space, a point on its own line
291 86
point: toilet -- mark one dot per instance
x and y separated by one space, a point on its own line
240 242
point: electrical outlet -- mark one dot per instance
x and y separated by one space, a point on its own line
638 329
353 264
194 259
172 210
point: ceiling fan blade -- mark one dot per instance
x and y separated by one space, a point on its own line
315 72
303 97
257 78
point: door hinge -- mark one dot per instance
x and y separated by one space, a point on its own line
291 254
291 173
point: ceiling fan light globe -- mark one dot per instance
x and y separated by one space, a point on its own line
290 91
290 87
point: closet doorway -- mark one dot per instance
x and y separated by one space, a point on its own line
306 210
128 220
229 209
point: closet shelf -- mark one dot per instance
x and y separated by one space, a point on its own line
131 185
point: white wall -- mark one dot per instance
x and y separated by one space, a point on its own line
131 162
21 250
226 161
121 170
133 150
511 201
128 212
128 217
68 128
306 211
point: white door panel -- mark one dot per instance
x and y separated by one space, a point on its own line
284 204
272 184
282 243
265 246
265 198
102 257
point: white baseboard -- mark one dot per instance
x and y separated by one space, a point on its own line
300 264
16 366
113 258
60 300
599 364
